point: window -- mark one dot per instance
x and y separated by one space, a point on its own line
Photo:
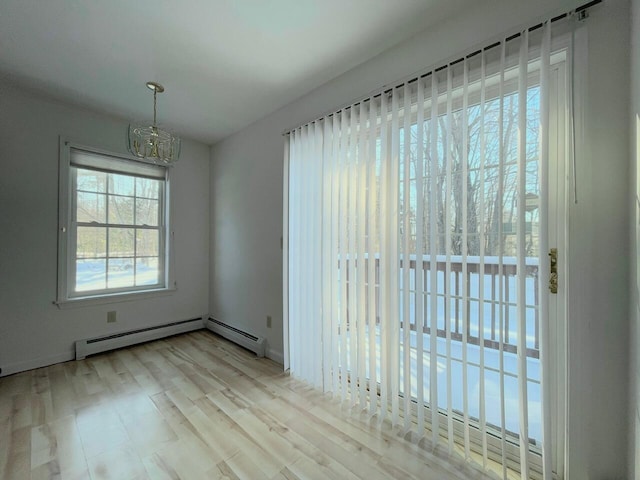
113 225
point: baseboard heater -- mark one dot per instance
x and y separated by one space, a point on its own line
92 346
237 336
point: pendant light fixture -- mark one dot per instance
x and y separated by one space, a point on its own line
152 143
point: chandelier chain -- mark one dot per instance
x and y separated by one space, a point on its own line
154 106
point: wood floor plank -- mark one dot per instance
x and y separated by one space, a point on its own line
353 455
242 466
261 453
196 406
187 458
121 462
18 456
149 433
46 471
305 468
64 444
285 474
5 435
41 409
158 468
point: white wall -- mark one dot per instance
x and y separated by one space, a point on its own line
634 363
246 213
599 258
33 331
246 227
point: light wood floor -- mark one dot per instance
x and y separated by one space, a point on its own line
195 406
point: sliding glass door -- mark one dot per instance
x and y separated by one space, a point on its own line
420 226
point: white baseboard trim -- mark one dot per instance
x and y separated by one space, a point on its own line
125 339
31 364
18 367
240 337
275 355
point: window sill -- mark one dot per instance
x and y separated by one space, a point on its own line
113 298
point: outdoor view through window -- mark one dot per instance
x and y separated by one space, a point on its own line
118 241
491 224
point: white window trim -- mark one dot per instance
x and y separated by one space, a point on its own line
64 299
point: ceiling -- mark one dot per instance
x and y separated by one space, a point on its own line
224 63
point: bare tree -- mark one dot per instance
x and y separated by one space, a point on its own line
496 182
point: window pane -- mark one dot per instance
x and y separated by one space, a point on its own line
147 212
121 242
120 273
91 181
91 242
121 184
493 394
90 207
147 243
147 188
121 210
90 275
147 271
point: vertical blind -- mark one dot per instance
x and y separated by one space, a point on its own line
417 253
